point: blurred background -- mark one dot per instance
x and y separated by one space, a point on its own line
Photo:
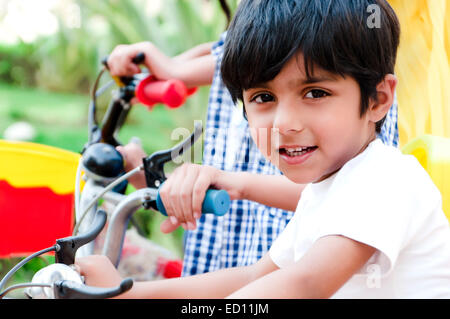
50 54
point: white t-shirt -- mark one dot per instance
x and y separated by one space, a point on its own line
384 199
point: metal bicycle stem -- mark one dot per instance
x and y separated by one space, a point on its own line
125 207
119 221
90 191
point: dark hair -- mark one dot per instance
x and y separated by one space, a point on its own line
335 35
226 10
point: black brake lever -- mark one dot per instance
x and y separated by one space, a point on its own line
68 246
154 164
65 289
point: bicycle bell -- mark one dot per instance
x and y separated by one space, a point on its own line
102 162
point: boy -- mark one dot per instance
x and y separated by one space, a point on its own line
316 83
247 231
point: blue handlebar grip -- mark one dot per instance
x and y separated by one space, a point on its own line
216 202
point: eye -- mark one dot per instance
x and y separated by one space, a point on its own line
316 94
262 98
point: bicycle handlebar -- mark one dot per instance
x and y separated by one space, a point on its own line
151 91
103 160
148 90
60 281
66 289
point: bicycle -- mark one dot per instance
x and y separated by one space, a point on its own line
105 179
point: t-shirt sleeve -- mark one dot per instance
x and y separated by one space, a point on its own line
282 251
362 224
375 206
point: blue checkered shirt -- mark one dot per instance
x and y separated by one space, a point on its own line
247 231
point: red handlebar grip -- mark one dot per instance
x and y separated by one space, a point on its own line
172 92
191 91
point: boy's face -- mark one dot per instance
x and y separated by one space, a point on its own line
308 129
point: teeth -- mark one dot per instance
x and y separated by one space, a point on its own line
296 151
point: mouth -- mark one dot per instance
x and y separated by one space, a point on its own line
294 154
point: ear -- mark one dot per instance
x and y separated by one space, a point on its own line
385 98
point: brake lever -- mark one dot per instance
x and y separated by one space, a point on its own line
67 289
154 164
68 246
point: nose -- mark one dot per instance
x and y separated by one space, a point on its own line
288 119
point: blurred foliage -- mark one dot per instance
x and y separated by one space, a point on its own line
70 59
46 82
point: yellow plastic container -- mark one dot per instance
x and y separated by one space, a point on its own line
433 153
25 164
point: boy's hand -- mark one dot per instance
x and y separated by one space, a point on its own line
183 192
98 271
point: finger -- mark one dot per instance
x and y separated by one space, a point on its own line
169 195
132 68
120 61
186 195
122 66
180 194
135 145
132 154
164 192
167 226
115 62
198 193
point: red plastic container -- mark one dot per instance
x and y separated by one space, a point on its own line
32 219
